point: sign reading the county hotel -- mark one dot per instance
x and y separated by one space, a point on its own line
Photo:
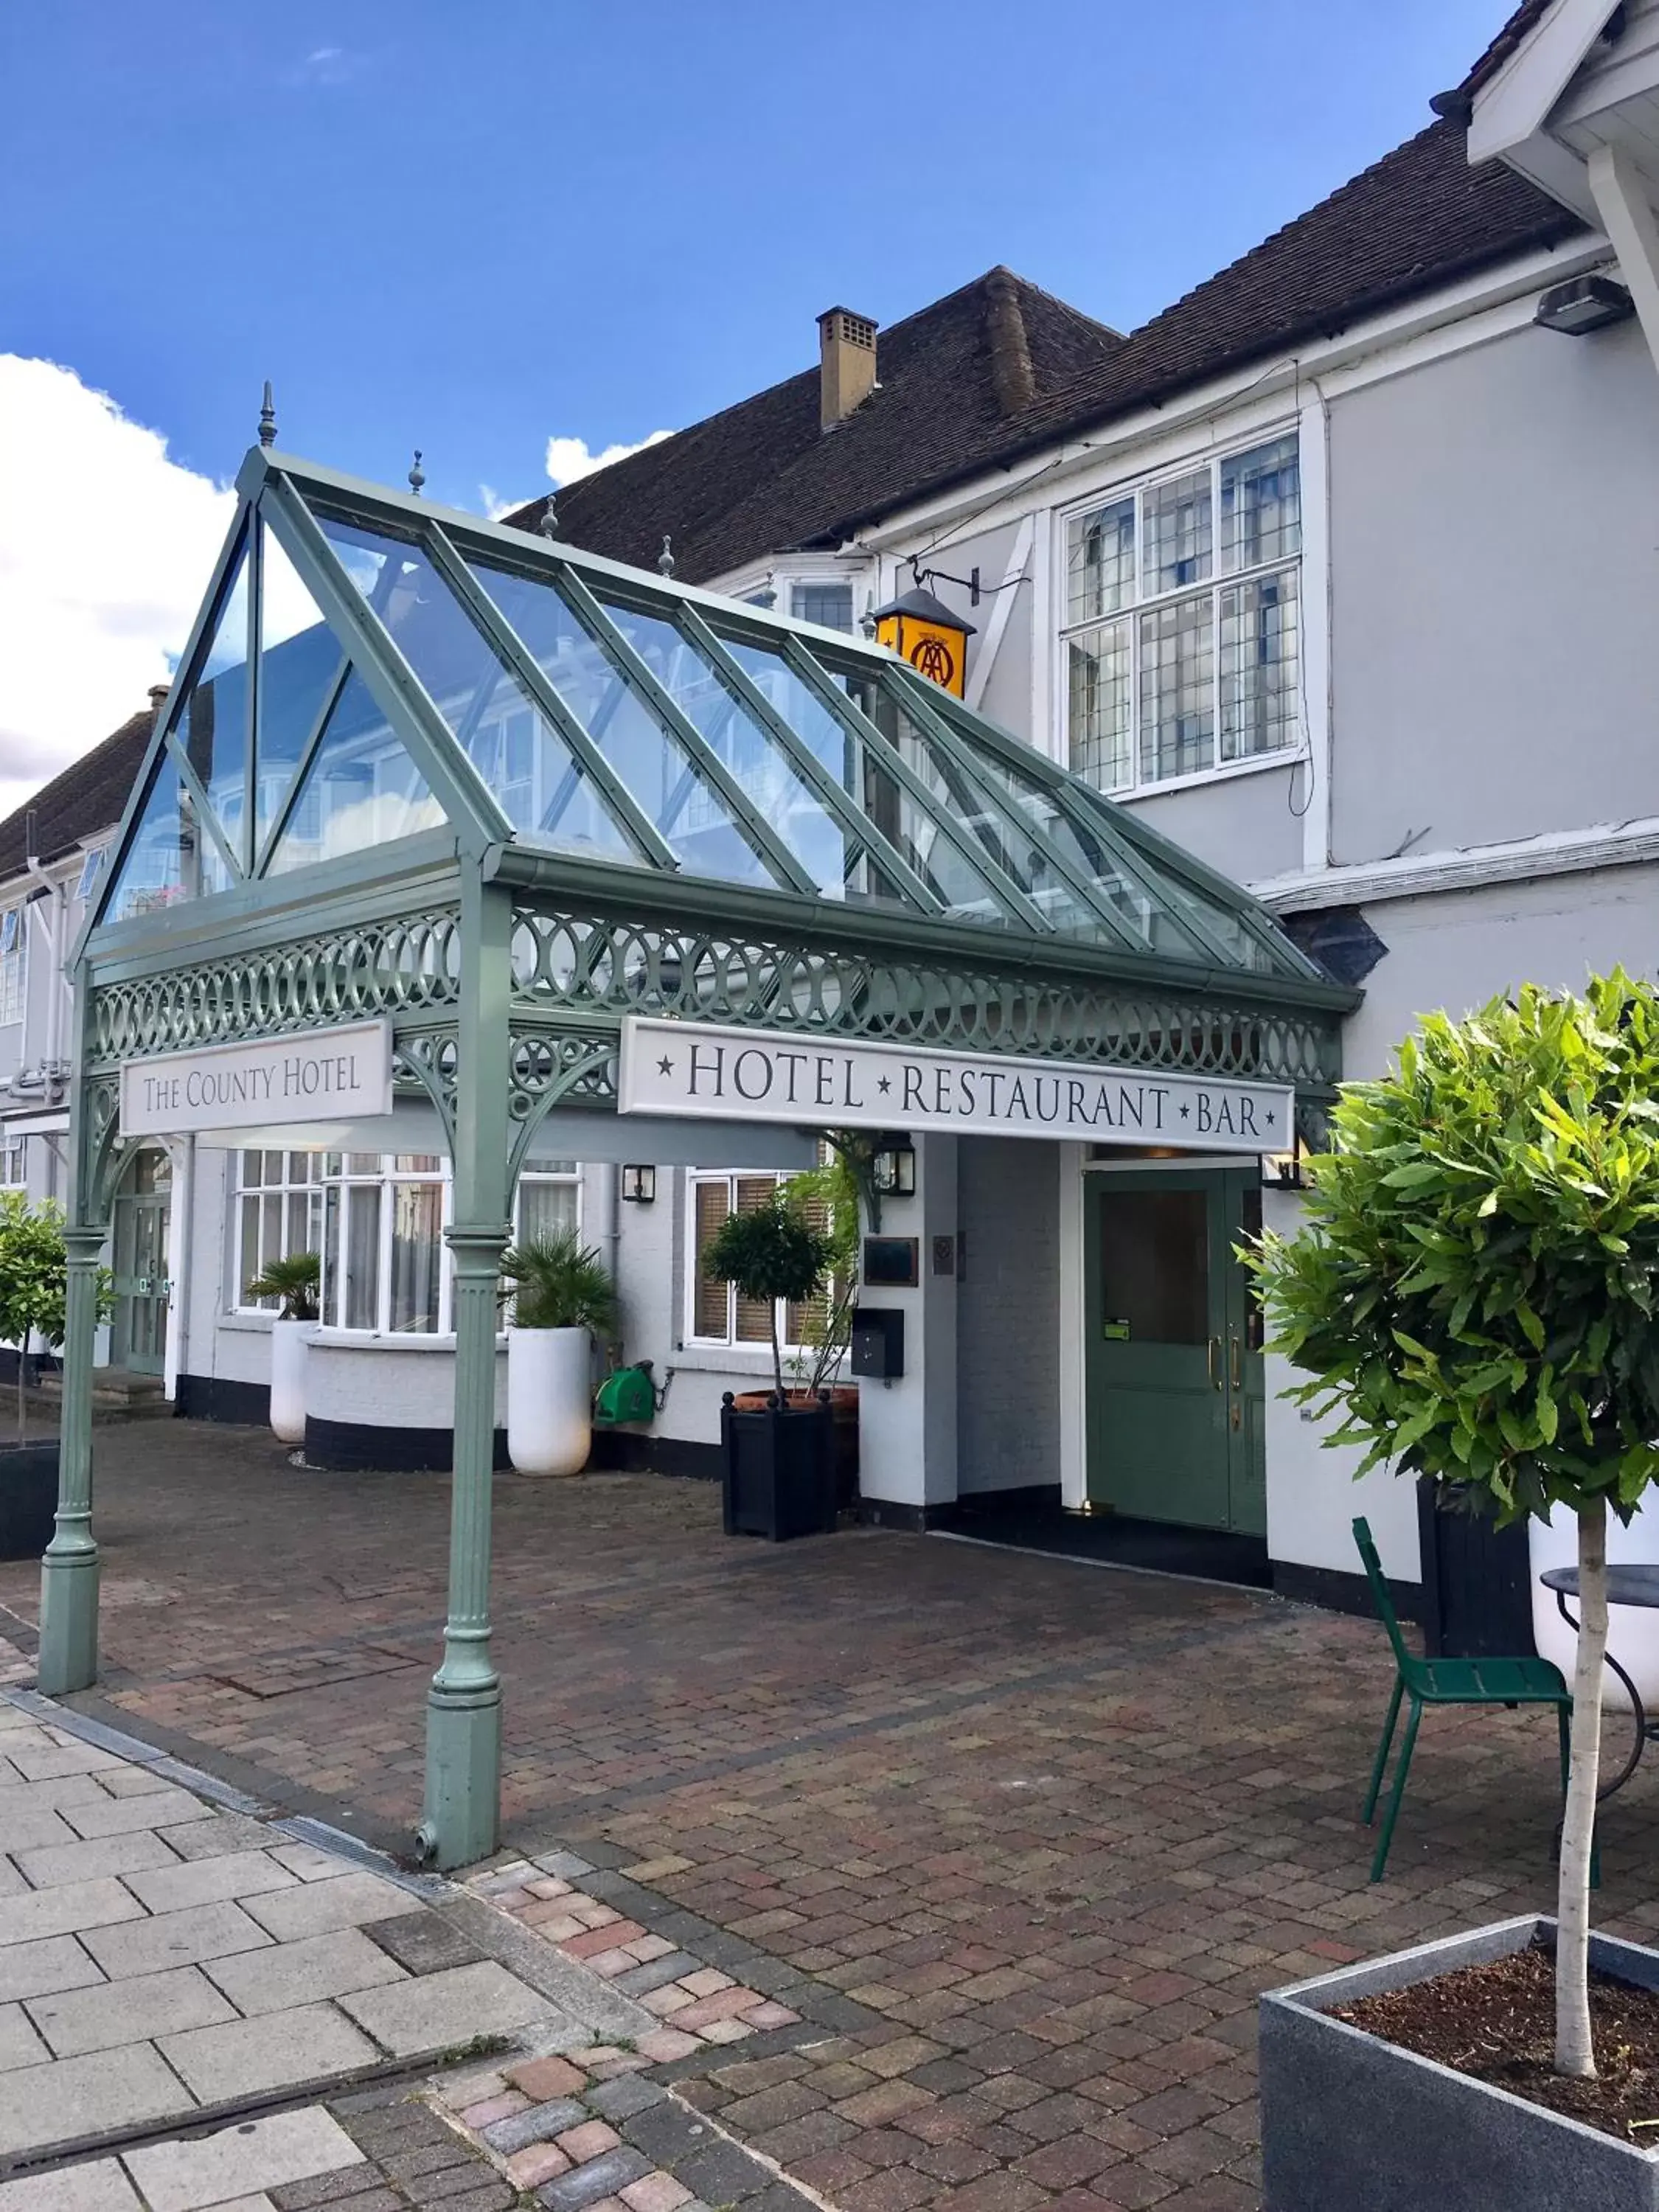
768 1075
316 1075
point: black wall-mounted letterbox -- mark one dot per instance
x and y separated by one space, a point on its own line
878 1341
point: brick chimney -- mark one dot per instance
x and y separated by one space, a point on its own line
846 349
158 700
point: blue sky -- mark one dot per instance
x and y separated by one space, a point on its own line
475 226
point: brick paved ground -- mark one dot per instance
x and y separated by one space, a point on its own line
1021 1840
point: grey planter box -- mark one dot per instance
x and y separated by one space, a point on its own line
1348 2121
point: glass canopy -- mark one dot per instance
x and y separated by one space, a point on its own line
366 668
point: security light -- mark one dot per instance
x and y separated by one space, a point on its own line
1582 305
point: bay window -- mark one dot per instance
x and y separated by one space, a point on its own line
1180 622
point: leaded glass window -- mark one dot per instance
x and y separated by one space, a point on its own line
1180 633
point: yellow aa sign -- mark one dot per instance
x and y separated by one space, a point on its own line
933 649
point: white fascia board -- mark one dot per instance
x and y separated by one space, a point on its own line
1513 104
1049 478
1415 875
1622 72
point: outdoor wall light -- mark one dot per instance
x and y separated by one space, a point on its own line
1283 1170
639 1185
893 1168
1583 304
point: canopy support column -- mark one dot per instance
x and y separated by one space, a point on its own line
463 1704
68 1571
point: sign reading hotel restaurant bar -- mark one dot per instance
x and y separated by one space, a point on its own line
770 1075
315 1075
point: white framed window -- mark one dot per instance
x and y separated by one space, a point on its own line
385 1266
1180 628
714 1314
14 939
827 603
278 1213
549 1199
92 863
14 1163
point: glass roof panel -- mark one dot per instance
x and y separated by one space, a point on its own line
870 782
211 731
360 790
690 815
526 761
159 868
748 751
300 660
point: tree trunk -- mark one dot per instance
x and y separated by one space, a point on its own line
777 1358
1574 2053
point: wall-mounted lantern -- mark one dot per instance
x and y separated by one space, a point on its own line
922 630
893 1168
1283 1170
639 1185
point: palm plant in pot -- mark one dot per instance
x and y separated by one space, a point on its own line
780 1471
1476 1292
33 1287
563 1298
295 1282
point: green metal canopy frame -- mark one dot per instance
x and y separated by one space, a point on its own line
500 792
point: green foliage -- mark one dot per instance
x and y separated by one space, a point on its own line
33 1269
560 1283
1475 1286
296 1280
827 1197
771 1252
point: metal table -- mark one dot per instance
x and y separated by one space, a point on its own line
1636 1585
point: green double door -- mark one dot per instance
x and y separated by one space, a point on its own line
1173 1369
138 1324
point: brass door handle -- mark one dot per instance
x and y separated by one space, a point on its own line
1214 1357
1236 1364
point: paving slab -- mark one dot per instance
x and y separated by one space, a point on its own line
435 2011
70 1908
207 1881
48 1866
100 2186
171 1939
219 1833
238 2161
104 1815
316 1966
423 1942
305 1860
314 1908
247 2057
132 2011
26 1820
19 2044
88 2096
56 1962
47 1762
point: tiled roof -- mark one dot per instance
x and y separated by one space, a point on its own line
761 477
87 797
1514 33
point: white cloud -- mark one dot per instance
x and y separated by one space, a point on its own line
496 506
106 547
570 459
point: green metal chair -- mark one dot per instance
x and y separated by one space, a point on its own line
1446 1682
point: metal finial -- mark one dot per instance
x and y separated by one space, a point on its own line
549 525
767 596
267 419
665 558
416 475
867 622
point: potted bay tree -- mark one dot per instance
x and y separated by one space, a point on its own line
1475 1292
780 1475
295 1282
563 1298
34 1286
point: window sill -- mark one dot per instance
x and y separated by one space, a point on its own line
256 1324
1257 764
744 1360
369 1339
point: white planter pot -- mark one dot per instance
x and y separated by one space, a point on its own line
1633 1630
288 1340
549 1399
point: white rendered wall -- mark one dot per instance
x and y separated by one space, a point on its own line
908 1428
1008 1315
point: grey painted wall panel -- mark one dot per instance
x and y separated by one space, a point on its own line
1242 825
1008 1315
1495 569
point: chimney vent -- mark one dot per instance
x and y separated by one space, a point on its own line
847 347
158 700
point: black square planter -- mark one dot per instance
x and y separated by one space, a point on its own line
780 1470
28 1499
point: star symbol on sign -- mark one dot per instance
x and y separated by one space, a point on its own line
1185 1111
664 1067
885 1083
1271 1117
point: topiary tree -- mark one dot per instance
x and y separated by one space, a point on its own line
771 1252
1475 1289
827 1199
34 1282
